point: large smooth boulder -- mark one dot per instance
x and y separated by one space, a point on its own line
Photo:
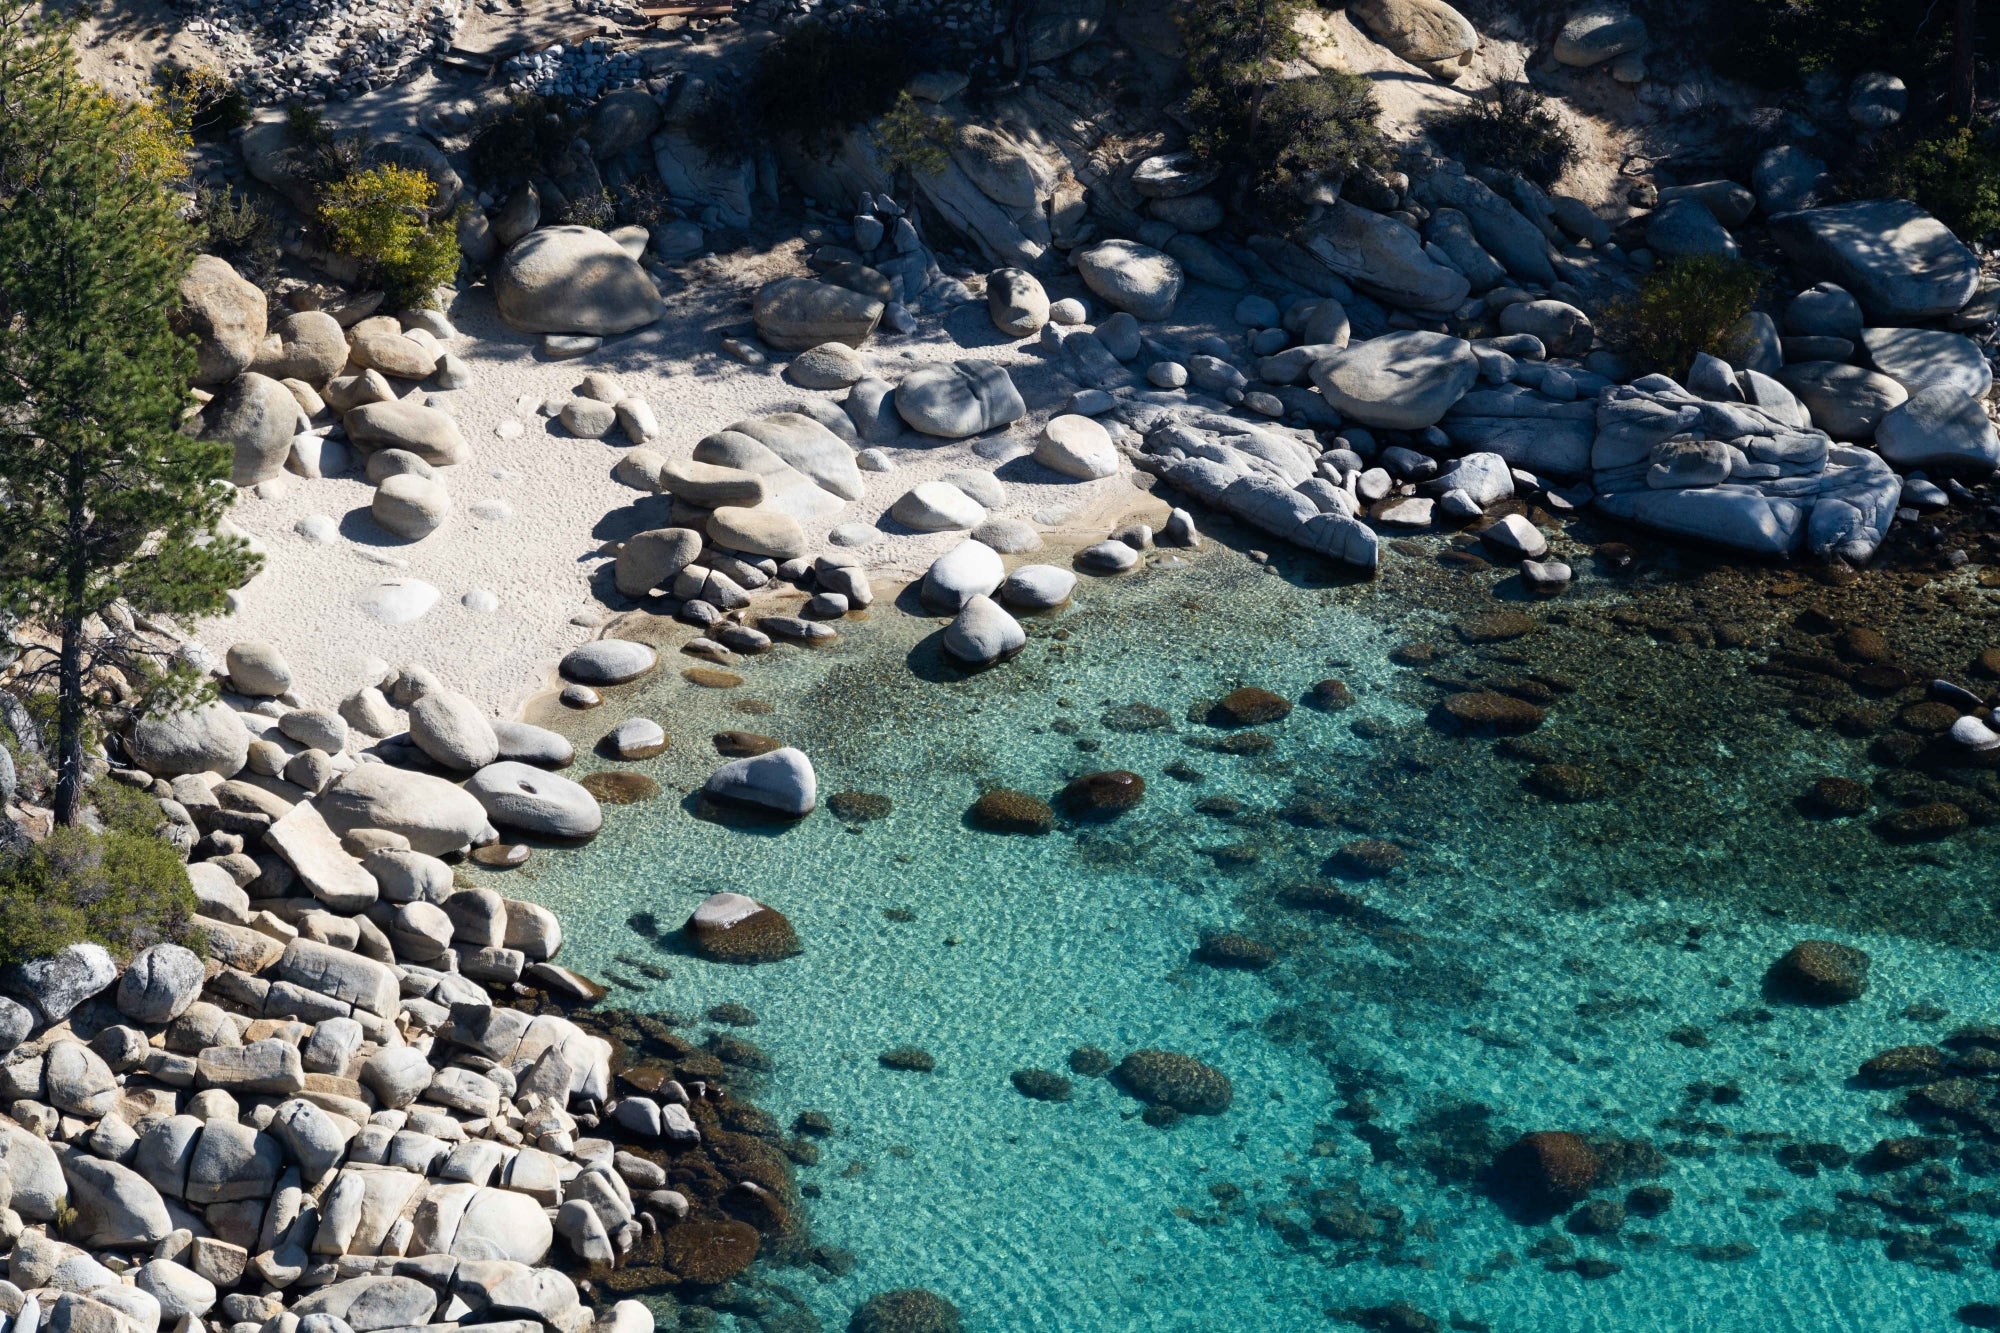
520 796
1787 178
256 417
1940 429
1902 264
650 559
1400 381
205 739
983 632
781 781
436 816
1420 31
957 399
1077 446
1685 227
607 662
1385 259
759 531
312 849
573 280
807 447
1597 33
937 506
1135 278
65 979
225 315
116 1207
796 314
453 731
411 506
1847 402
308 345
159 985
401 424
1017 302
1921 359
969 569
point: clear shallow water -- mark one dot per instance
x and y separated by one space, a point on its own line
1529 957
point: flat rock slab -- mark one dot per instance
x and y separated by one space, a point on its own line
1901 263
1920 359
314 852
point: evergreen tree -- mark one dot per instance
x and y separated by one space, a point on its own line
106 501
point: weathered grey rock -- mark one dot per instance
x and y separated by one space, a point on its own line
1939 429
807 446
1921 359
159 985
410 506
1077 446
608 662
116 1206
225 315
1787 178
636 738
1404 381
397 1075
1424 32
350 978
983 633
831 365
1599 32
76 1080
315 1138
453 731
256 417
387 350
1847 402
434 815
650 560
543 804
794 314
1563 329
1501 228
969 569
1038 587
1902 264
1385 259
1685 227
587 418
268 1066
760 531
781 780
181 1292
936 506
962 398
1134 278
65 979
573 280
1824 310
1017 302
1877 100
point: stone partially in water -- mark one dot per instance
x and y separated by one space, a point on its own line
1249 707
910 1310
1819 972
1103 795
1003 811
1165 1078
620 788
706 1253
858 807
732 928
1042 1085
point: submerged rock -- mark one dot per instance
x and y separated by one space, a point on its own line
1547 1170
733 928
1003 811
910 1310
1164 1078
1103 794
1249 707
1042 1085
1819 972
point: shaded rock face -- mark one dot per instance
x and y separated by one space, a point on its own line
573 280
1164 1078
1902 264
225 314
1818 972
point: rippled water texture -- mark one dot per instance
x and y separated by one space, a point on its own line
1532 965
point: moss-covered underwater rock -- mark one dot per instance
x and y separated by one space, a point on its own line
1546 1171
1103 795
1003 811
1042 1085
1248 707
910 1310
732 928
1819 972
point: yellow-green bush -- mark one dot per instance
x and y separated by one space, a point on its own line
122 889
912 139
381 217
1690 305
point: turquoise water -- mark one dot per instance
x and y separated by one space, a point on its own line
1591 967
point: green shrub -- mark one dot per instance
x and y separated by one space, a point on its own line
237 228
125 890
381 218
912 139
1514 130
1954 174
1777 43
522 139
1279 140
317 155
813 84
200 100
1693 304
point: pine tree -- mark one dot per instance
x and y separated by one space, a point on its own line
106 501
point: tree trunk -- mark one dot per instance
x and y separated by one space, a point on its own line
69 725
1963 86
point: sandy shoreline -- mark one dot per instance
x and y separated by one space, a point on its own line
534 516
